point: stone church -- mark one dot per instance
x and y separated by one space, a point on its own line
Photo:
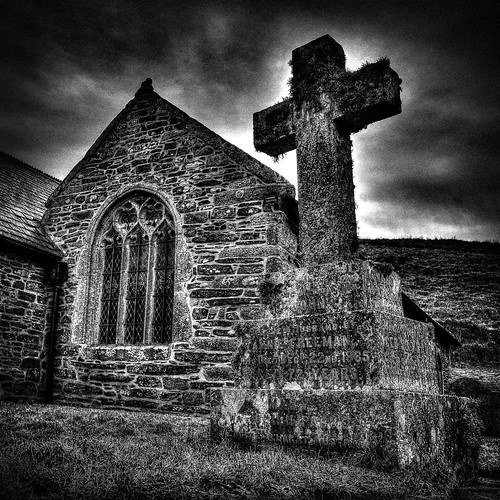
122 284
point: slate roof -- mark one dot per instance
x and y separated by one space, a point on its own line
414 311
23 193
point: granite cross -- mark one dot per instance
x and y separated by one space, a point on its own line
326 105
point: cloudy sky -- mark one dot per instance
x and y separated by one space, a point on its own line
68 67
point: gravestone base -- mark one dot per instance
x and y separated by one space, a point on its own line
334 287
384 429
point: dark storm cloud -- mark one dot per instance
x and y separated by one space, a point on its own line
68 67
442 166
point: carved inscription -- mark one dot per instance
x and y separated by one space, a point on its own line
283 422
293 420
315 351
309 301
344 350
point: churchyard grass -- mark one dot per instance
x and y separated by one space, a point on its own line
59 452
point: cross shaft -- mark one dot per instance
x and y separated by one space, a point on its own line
327 104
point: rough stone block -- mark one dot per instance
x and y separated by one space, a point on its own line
30 362
215 343
391 429
28 297
76 388
339 286
161 369
353 349
214 269
109 377
219 372
82 214
489 457
24 388
175 384
205 293
143 381
197 356
192 398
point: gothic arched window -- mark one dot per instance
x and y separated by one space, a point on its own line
138 255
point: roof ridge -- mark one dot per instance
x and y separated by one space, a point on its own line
24 164
241 157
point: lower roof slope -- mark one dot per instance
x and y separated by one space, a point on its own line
23 193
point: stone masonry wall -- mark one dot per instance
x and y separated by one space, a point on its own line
231 229
25 295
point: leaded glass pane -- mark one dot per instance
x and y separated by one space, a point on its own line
137 273
141 230
110 288
163 297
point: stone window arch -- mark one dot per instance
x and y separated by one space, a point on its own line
132 273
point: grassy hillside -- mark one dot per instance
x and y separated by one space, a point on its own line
456 282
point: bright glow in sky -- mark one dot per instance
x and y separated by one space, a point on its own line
68 68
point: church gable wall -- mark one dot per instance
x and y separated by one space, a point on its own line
231 229
25 294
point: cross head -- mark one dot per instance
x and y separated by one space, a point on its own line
327 104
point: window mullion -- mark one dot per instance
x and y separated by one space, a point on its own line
122 293
166 292
169 294
136 290
149 292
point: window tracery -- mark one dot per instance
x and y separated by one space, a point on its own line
138 249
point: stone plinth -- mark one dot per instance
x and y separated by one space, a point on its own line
342 350
336 326
337 286
387 429
335 366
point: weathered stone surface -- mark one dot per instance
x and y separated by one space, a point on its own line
314 372
488 402
338 286
25 298
148 381
326 105
218 372
175 384
160 369
77 388
391 429
215 343
110 377
489 457
343 350
219 200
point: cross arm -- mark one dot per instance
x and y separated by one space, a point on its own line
273 129
365 96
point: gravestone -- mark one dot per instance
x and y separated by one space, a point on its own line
335 364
